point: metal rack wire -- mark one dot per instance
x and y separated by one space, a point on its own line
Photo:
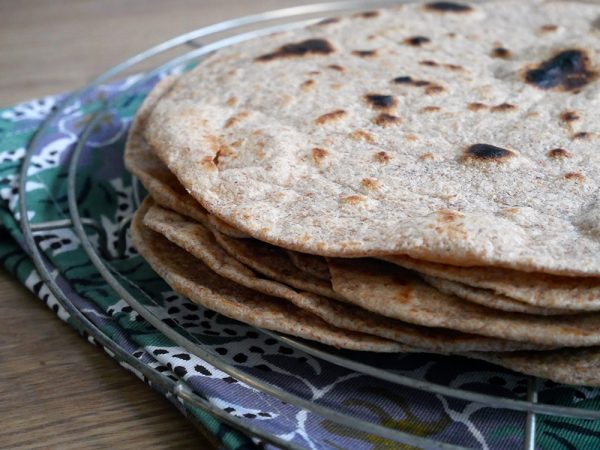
202 42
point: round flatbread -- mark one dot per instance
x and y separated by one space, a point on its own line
490 299
190 277
464 282
570 366
463 134
311 264
162 185
395 292
275 263
200 242
536 289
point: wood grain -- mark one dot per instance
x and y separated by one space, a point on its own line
56 390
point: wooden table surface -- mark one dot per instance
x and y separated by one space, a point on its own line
56 390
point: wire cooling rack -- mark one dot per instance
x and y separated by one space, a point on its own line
193 46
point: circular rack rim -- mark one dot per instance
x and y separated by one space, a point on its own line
172 334
517 405
224 26
180 389
481 398
80 321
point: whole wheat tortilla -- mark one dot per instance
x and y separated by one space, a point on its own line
570 366
274 263
430 272
162 185
490 299
186 275
190 277
467 136
538 289
397 293
200 242
311 264
168 192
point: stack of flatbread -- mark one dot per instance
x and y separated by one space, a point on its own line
417 179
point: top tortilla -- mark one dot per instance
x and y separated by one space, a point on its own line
154 175
537 289
360 137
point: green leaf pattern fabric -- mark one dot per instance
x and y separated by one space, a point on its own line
107 197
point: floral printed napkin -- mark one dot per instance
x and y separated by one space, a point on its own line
106 196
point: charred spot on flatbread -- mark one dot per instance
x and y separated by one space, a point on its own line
487 153
381 101
299 49
448 7
568 70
